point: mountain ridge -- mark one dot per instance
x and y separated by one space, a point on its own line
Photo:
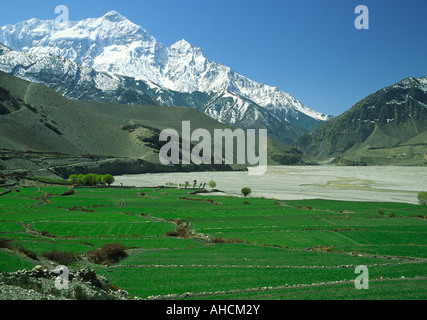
386 127
84 83
114 44
95 136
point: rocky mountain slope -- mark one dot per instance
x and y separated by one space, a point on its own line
69 78
387 127
93 136
83 83
114 44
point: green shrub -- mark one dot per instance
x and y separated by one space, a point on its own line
98 179
108 179
89 179
212 184
73 178
422 198
79 178
246 191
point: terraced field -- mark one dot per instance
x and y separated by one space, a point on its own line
238 248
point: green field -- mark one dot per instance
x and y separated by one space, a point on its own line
239 248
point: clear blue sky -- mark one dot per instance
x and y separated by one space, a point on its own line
308 48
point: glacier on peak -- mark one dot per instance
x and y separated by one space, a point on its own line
114 44
181 45
113 15
80 82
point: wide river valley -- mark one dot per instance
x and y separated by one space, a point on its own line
383 184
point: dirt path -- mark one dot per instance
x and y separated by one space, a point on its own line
27 92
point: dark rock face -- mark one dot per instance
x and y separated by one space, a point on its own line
391 118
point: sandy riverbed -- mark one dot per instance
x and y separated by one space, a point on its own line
390 184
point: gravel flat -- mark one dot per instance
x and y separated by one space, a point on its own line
383 184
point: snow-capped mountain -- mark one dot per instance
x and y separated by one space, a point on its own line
69 78
114 44
84 83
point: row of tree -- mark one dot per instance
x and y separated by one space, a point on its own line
91 179
194 184
202 185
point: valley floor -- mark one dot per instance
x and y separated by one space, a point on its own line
379 183
182 245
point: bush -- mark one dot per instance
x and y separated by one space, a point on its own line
79 178
47 234
98 179
182 230
228 240
110 253
422 198
108 179
212 184
69 193
62 258
246 191
5 243
73 178
172 234
28 253
89 179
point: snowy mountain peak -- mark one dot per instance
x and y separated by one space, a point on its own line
182 46
114 16
114 44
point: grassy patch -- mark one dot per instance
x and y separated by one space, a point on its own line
172 242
